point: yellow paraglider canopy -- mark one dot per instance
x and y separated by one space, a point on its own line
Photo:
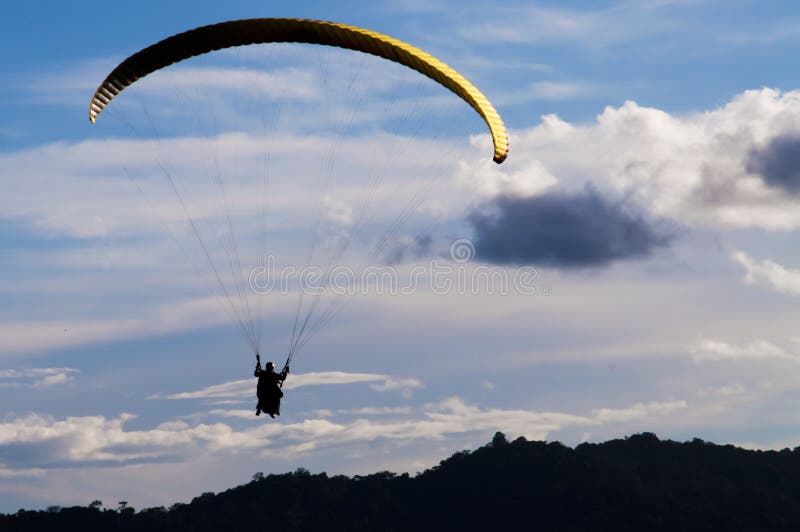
268 30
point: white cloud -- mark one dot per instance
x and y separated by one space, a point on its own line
290 83
556 90
405 386
545 91
474 62
692 168
777 277
533 24
70 190
240 413
33 372
238 388
104 188
721 391
717 350
418 7
364 411
96 440
36 377
617 24
280 71
636 412
245 387
376 411
11 473
335 377
78 194
321 413
490 181
52 380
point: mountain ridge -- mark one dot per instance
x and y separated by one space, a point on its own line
636 483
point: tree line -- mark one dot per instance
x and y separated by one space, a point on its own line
639 483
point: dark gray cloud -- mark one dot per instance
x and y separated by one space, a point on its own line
571 230
778 163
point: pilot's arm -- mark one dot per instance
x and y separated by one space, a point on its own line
282 375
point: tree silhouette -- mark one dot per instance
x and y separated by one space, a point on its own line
635 484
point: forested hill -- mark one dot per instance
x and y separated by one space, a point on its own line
638 484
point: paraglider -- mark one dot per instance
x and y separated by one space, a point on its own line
269 388
236 33
272 30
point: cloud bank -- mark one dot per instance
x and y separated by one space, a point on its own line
726 168
39 442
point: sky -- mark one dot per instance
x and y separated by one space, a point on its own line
629 268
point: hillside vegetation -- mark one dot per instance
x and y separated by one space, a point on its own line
639 483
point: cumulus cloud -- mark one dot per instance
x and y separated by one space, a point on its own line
777 277
46 442
454 416
564 230
524 179
697 169
718 350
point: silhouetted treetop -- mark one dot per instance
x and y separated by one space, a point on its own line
639 483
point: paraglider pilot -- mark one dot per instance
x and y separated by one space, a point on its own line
269 388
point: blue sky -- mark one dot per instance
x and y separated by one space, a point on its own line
651 187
